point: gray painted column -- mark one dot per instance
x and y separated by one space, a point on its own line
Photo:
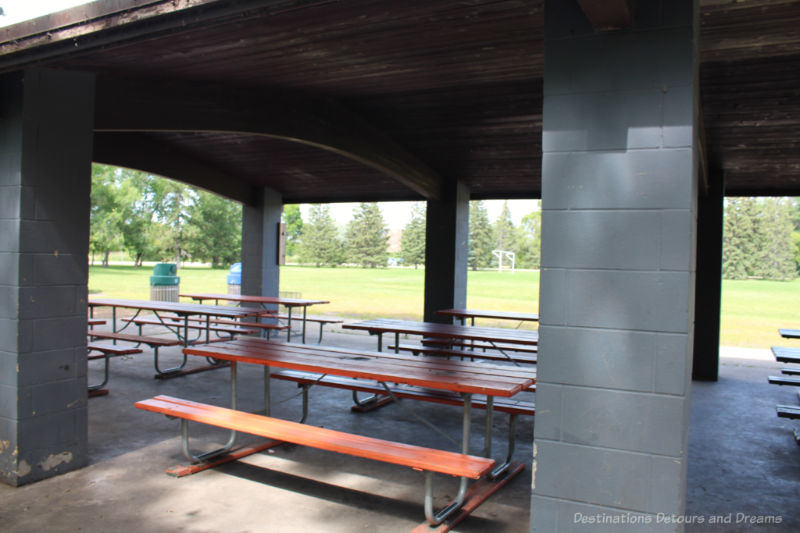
260 269
708 297
446 252
45 180
619 196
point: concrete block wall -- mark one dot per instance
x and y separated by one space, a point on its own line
45 179
619 195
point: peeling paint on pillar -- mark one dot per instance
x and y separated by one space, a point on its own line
54 460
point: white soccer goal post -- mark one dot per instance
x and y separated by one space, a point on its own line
508 255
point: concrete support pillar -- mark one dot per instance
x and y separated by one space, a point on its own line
45 180
619 194
708 297
446 252
260 269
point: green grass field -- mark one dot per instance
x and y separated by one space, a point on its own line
751 310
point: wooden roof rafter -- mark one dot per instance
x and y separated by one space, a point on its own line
138 107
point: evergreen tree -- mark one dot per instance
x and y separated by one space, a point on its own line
294 227
529 241
412 242
775 256
505 235
367 236
480 236
757 239
320 243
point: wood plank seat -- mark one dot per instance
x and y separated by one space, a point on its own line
504 405
784 354
789 333
479 345
199 324
153 342
788 411
105 351
444 352
417 457
784 380
110 349
322 321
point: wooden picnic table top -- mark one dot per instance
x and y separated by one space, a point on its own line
288 302
430 372
184 309
452 331
787 333
476 313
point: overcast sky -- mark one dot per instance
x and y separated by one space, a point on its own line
19 10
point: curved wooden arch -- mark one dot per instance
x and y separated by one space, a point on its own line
137 107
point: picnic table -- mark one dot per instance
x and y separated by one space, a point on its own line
463 314
263 301
179 327
492 336
464 378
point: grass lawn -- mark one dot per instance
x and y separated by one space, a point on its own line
752 310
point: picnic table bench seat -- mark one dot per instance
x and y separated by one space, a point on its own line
784 380
321 320
153 342
427 460
105 351
788 411
479 345
784 354
789 333
417 349
193 323
504 405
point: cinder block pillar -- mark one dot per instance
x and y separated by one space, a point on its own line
619 195
46 122
446 252
708 298
260 269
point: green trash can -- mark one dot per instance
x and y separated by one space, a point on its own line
164 283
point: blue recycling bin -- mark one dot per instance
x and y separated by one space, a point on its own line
234 279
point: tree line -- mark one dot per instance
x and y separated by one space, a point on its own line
761 238
156 219
318 241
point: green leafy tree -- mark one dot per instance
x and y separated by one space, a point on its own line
480 236
170 200
105 219
214 229
529 241
294 227
367 237
319 243
412 242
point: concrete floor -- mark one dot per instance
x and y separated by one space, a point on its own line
743 459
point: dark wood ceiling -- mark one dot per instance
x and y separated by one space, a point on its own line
455 86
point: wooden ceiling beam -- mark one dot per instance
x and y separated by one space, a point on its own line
141 152
608 15
148 106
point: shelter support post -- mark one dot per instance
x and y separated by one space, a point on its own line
619 216
708 295
260 269
45 181
446 251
